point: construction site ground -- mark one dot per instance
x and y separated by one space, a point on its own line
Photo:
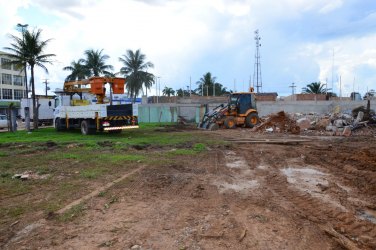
243 190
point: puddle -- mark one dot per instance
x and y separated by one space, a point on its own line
368 214
262 167
237 164
312 181
305 178
241 177
238 186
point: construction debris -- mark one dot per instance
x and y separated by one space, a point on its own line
361 119
280 123
30 175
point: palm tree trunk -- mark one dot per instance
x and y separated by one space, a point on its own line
35 108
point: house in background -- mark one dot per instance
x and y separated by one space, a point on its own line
12 84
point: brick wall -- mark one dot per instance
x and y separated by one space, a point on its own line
310 97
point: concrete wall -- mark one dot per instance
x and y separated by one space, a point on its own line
191 112
320 107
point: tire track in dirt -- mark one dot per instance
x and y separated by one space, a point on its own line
314 209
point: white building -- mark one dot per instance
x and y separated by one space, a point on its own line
12 83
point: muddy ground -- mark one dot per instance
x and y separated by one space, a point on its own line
314 194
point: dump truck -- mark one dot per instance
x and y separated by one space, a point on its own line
240 110
74 107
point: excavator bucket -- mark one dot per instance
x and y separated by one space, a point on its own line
210 118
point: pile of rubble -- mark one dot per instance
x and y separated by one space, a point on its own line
359 121
280 123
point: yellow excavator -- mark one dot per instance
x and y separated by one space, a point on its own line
240 110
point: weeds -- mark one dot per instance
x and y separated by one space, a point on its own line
72 213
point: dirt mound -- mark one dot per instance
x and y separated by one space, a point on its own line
279 122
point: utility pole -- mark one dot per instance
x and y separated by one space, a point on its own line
190 86
333 72
27 109
292 86
46 82
257 80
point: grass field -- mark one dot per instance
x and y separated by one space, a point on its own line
64 166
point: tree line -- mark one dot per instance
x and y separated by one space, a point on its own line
28 51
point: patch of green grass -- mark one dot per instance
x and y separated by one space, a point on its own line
121 158
102 194
92 173
5 175
15 212
182 152
72 213
5 165
71 156
43 170
3 154
199 147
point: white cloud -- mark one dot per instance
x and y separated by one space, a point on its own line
188 38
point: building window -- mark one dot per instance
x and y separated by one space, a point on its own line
5 64
17 80
7 94
17 67
6 79
18 94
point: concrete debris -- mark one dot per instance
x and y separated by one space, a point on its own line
304 123
346 131
360 121
279 122
30 175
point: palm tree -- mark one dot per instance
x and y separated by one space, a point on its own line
78 70
29 50
314 88
168 91
206 84
135 70
95 63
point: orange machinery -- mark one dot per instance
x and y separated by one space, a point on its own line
97 86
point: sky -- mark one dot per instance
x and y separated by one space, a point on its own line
302 41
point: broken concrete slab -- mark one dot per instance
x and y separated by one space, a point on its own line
346 131
303 123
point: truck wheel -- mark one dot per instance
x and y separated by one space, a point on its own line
85 129
230 122
252 120
58 126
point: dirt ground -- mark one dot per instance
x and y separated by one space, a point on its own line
315 194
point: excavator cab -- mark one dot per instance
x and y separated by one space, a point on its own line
240 111
242 102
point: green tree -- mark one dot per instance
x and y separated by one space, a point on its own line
29 50
168 91
95 62
181 92
135 70
314 88
208 86
78 70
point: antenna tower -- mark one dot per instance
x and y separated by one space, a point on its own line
257 80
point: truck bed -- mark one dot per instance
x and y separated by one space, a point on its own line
103 110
